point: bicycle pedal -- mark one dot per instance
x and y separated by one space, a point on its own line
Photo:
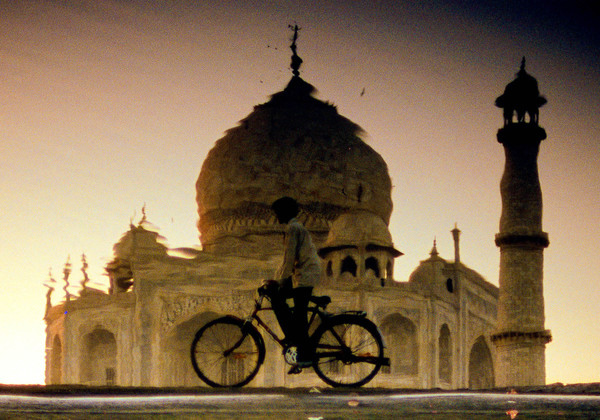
290 355
295 370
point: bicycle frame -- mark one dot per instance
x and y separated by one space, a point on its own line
254 316
340 351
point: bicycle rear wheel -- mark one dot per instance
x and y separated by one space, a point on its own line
226 352
348 351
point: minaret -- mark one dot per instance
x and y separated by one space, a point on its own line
520 336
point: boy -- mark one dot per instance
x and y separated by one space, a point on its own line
299 272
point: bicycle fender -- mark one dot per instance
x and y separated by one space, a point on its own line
361 314
232 317
326 321
380 335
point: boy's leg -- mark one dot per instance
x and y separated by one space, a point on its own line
283 313
300 318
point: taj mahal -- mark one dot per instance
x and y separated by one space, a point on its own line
445 326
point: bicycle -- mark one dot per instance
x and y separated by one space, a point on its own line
347 347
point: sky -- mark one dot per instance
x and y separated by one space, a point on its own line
110 106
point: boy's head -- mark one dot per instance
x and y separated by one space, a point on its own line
285 208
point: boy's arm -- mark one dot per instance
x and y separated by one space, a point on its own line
289 257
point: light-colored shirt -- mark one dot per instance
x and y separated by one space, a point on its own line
300 259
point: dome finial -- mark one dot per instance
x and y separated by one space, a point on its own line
296 60
144 218
434 252
522 72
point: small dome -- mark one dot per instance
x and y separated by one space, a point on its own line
359 228
141 239
436 270
430 269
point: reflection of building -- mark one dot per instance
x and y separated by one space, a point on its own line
436 325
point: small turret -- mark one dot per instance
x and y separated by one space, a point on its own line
521 97
140 244
359 250
456 236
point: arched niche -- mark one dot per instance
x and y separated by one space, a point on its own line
176 354
372 265
56 361
481 367
349 266
99 358
445 355
400 336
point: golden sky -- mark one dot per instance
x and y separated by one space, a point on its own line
110 105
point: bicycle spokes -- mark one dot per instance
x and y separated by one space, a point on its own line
227 353
348 351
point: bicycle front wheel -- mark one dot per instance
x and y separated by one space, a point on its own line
348 351
226 352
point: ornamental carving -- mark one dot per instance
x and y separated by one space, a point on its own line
183 307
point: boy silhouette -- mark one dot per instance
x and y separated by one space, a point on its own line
298 273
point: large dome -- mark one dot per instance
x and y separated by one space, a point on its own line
293 145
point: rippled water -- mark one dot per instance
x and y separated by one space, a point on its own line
302 405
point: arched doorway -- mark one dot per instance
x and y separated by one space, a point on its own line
445 355
481 367
56 361
99 358
177 367
400 336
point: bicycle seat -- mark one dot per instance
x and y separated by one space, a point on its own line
321 301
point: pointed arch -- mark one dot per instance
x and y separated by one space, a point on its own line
481 367
349 266
371 263
56 361
445 355
176 351
400 336
99 358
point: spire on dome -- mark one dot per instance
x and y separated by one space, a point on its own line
434 252
66 274
50 283
296 60
84 268
522 69
144 218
